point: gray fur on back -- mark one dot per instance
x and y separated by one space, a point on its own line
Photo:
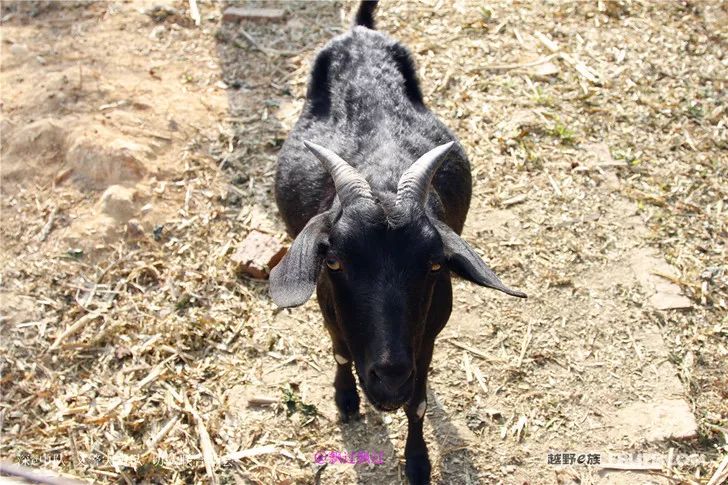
365 104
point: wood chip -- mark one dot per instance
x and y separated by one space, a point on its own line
43 235
262 401
45 477
514 200
474 351
721 473
208 451
76 327
236 14
195 12
258 450
481 380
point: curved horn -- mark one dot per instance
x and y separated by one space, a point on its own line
349 183
414 183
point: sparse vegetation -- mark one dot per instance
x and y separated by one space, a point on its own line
134 341
294 404
564 134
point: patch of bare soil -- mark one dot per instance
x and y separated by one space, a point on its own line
99 97
138 150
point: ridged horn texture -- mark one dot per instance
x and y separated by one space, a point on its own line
350 185
415 182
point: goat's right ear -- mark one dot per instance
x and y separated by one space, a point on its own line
464 261
293 280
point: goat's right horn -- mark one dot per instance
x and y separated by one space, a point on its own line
415 182
350 185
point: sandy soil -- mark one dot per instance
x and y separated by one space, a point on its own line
138 150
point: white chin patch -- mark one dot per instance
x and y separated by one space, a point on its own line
421 409
341 360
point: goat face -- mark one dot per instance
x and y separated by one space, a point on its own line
381 279
382 260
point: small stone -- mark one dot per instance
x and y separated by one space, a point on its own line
662 293
545 70
118 202
670 301
122 351
157 32
236 14
601 153
519 124
108 390
157 232
258 254
232 198
134 229
615 8
160 13
19 50
710 273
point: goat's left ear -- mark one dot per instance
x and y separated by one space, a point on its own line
293 280
464 261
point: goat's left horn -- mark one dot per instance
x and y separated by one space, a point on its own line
350 185
415 181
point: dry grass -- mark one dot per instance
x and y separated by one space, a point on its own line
139 362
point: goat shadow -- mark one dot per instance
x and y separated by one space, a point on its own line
452 460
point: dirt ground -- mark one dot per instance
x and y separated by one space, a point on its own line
138 150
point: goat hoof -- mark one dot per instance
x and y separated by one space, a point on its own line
417 468
348 403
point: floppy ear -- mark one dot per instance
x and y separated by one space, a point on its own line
463 260
293 280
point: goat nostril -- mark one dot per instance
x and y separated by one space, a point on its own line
392 377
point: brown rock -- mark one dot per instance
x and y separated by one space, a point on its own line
236 14
258 254
519 124
33 148
657 420
602 156
16 309
662 293
100 158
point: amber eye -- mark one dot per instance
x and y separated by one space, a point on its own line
333 264
435 266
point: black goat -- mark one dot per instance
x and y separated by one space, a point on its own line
382 221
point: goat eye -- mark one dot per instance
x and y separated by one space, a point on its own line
435 266
333 264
